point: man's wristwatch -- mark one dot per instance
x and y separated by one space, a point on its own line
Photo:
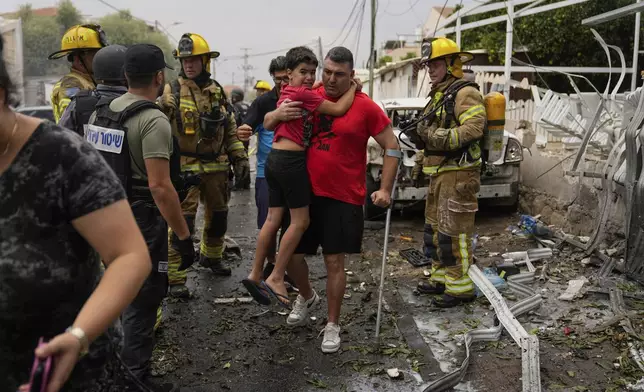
82 338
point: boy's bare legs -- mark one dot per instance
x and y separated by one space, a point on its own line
266 242
290 240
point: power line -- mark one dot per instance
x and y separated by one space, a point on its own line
439 17
120 10
353 23
411 8
359 33
345 23
156 23
276 51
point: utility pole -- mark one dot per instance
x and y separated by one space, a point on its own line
372 47
233 83
320 59
246 67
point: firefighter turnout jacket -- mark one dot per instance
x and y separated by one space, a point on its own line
452 136
205 126
66 88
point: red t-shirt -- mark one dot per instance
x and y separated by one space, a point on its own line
337 157
294 129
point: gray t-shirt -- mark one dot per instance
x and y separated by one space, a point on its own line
149 134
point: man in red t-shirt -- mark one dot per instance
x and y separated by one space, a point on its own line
336 161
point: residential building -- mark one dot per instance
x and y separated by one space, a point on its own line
436 16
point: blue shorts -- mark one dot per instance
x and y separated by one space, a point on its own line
261 201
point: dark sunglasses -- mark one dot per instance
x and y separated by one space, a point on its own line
283 79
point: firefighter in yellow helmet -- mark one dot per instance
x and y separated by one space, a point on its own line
80 43
262 87
204 123
450 136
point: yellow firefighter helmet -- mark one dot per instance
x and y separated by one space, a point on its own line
81 38
444 48
192 44
262 85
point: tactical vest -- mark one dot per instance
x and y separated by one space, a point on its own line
206 126
86 102
241 108
109 135
447 101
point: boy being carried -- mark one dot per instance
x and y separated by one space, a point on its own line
287 175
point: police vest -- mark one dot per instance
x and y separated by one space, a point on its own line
447 101
108 135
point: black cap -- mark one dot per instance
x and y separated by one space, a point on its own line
144 59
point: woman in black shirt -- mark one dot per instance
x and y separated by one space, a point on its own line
58 200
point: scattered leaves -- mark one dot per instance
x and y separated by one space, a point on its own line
630 287
396 351
361 349
597 306
472 323
227 365
317 383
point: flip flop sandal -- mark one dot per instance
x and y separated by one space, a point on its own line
259 294
282 300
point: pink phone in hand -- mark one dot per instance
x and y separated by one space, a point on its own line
40 372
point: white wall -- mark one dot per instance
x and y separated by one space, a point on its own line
396 83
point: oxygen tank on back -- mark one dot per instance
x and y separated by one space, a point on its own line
493 134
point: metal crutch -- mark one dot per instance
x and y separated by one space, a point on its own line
386 245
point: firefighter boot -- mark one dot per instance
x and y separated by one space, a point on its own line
215 266
430 288
450 301
179 291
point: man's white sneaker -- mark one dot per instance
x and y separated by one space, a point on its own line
300 313
331 341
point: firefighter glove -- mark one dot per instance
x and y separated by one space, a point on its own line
191 179
167 103
442 139
186 250
241 168
415 138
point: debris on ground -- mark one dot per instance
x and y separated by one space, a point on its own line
222 340
574 289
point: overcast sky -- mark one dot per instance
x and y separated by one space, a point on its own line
263 25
